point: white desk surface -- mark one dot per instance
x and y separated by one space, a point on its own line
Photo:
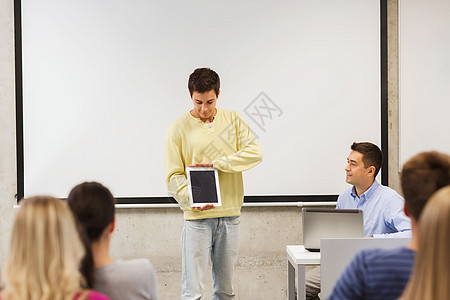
298 255
298 259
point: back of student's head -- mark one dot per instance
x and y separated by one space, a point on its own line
93 207
432 263
371 155
44 253
421 176
203 80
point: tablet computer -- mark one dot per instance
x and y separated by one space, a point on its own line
203 185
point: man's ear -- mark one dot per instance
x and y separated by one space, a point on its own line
112 225
218 93
405 209
371 171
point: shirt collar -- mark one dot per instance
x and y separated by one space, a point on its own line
367 193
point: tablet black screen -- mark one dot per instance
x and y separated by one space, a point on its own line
203 185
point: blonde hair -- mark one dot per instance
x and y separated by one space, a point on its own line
44 253
431 272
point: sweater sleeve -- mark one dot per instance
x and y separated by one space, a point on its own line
248 154
175 167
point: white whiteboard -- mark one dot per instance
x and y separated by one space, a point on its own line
424 56
102 81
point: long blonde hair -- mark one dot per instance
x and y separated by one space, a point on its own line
431 272
44 253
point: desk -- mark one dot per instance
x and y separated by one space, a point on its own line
297 258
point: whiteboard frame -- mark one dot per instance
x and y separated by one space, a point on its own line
248 199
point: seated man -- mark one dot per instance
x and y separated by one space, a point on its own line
382 206
383 273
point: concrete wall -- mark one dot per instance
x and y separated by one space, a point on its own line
393 102
156 233
261 270
7 125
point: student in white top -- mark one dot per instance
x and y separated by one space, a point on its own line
93 207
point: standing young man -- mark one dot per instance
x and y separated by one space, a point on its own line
208 136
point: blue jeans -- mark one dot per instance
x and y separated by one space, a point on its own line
213 240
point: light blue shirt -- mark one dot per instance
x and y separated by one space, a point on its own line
382 209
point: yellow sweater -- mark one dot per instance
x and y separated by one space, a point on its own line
228 144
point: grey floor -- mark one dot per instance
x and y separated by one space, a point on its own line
262 282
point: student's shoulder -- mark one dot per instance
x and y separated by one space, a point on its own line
138 262
385 257
368 256
138 266
392 252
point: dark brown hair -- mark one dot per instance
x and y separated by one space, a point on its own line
371 155
203 80
421 176
93 207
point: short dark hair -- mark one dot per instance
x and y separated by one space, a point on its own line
93 207
371 155
203 80
421 176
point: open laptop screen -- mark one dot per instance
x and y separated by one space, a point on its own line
330 223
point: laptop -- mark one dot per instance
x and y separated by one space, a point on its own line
321 223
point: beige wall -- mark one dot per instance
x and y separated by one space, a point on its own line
7 125
156 233
393 110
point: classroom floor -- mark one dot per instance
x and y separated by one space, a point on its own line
268 282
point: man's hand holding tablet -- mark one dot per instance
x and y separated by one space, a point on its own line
202 165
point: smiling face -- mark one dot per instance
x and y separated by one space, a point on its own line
356 173
204 105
